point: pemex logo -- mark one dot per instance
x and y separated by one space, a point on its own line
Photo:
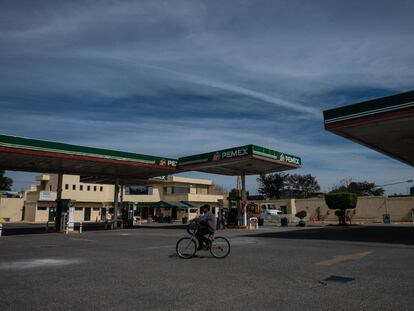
282 157
163 162
216 156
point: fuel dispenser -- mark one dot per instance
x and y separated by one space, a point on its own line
129 213
67 218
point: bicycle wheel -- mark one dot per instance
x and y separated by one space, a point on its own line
220 247
186 247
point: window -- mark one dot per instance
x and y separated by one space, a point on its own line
94 188
41 208
138 190
73 187
165 190
202 189
78 208
193 210
50 188
101 188
180 190
81 187
67 187
89 188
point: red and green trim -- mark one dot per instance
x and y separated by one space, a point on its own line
389 107
21 145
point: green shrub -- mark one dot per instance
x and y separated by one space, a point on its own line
301 214
341 201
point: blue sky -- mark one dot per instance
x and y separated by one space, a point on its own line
175 78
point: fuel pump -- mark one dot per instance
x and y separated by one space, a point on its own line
67 219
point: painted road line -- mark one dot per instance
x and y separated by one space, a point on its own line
344 258
37 263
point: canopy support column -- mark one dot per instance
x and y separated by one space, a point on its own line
58 210
244 199
116 203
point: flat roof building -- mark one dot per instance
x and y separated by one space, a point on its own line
94 202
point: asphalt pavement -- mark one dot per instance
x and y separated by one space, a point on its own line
274 268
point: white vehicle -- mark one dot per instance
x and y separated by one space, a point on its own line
269 209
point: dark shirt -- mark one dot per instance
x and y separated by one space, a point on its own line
209 220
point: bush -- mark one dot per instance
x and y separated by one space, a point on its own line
301 214
341 201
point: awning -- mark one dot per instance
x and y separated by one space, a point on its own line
385 124
249 159
189 204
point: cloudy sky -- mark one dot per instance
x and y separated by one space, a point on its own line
174 78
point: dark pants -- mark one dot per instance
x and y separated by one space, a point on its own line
201 235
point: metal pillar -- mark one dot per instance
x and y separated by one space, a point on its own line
116 201
244 199
121 201
58 210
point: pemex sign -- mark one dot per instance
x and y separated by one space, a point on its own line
240 152
232 153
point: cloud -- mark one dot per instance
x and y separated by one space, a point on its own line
172 78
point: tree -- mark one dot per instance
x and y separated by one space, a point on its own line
218 189
236 194
341 201
303 185
272 185
363 188
5 182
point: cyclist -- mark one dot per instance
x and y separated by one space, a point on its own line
207 225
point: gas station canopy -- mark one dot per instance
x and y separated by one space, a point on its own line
97 165
109 166
385 124
24 154
248 160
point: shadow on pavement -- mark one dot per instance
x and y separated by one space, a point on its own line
378 234
161 226
22 229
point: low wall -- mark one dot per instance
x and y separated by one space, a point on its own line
11 209
369 209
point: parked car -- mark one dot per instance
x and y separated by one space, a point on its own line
269 209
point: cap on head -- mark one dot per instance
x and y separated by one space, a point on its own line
205 207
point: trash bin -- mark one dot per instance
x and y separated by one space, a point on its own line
261 221
386 218
284 222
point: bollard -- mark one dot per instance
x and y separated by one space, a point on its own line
80 227
47 226
1 229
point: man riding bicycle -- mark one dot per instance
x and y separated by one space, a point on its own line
207 225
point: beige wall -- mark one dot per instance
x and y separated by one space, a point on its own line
369 209
30 212
11 209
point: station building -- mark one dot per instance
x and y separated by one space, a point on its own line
176 197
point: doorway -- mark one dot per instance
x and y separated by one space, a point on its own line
103 214
87 214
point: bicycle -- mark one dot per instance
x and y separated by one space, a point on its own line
186 247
